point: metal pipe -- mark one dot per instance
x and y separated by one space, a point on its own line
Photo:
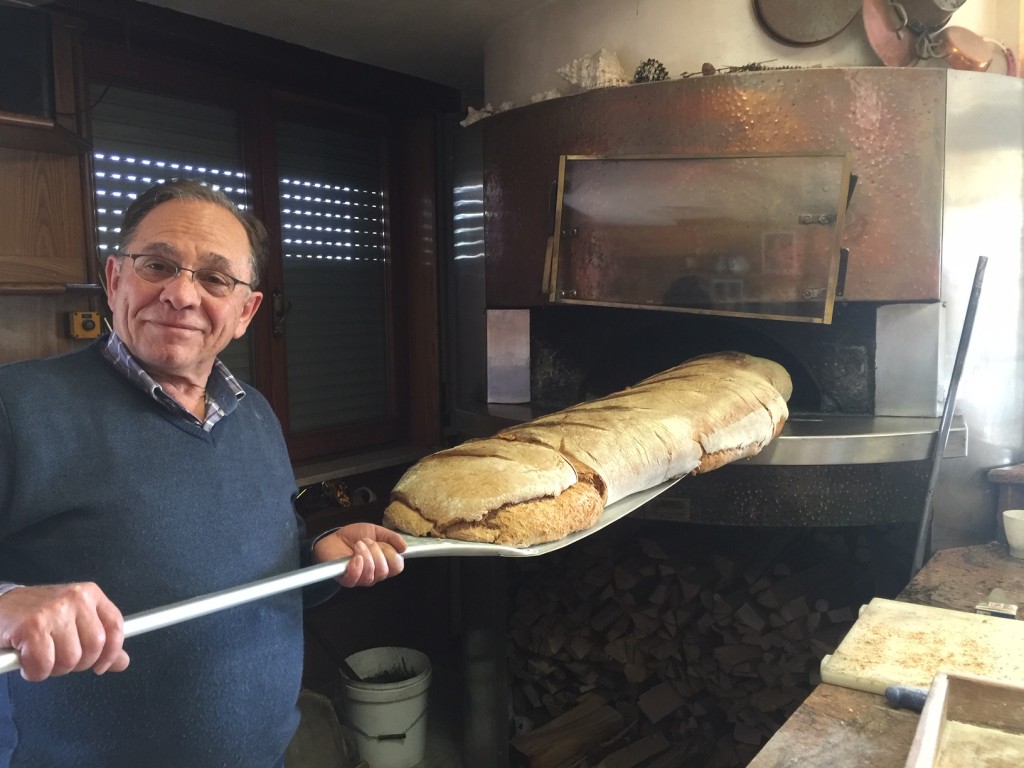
193 608
939 446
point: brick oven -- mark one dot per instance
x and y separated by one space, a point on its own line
829 219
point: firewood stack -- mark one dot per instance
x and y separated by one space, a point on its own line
632 650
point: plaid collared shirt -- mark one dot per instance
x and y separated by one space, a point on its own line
222 389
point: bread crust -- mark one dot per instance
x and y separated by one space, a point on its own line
519 525
539 481
496 491
690 419
469 481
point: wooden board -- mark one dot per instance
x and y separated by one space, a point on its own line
969 721
897 643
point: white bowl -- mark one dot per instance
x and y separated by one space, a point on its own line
1013 524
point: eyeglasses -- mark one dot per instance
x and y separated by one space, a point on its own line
157 269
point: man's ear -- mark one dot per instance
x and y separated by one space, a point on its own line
252 303
113 273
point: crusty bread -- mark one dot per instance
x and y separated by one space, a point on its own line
689 419
497 491
542 480
738 402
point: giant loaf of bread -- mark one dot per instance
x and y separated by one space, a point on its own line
544 479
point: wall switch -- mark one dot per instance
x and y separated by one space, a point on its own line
83 325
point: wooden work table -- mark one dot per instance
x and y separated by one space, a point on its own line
841 728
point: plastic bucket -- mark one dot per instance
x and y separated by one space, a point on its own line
389 717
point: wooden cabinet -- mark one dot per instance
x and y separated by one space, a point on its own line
42 219
44 237
46 232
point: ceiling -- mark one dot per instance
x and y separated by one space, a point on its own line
438 40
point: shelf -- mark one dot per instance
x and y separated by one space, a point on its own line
832 439
357 464
38 134
48 289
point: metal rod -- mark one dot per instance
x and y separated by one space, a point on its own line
48 289
158 618
193 608
939 446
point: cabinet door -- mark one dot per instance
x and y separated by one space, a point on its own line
42 231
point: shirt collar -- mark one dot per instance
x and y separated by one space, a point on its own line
222 388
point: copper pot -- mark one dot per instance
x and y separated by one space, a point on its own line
963 49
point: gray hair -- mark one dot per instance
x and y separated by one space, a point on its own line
190 189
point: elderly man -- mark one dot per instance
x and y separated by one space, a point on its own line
138 472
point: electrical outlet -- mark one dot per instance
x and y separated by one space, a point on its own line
83 325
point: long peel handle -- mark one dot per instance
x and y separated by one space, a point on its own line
193 608
175 613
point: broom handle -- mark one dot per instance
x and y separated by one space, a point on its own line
939 446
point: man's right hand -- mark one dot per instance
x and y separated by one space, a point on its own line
62 628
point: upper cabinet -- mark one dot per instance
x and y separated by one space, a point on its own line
44 237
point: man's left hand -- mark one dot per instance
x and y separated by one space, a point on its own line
375 553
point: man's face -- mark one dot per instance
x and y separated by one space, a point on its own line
175 329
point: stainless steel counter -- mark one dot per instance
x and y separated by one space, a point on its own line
816 440
805 440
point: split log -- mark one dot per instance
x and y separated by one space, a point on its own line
636 753
570 735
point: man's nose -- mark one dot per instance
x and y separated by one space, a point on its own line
181 290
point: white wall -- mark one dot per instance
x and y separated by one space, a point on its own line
523 56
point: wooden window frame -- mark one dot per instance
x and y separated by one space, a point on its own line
233 74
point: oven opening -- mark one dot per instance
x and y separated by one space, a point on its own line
586 352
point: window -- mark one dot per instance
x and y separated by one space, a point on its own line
140 139
326 346
335 267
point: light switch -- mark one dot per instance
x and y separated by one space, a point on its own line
83 325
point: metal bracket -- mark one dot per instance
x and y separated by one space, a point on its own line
817 218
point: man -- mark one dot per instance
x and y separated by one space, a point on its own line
138 472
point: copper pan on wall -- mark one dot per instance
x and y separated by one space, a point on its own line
805 22
963 49
887 27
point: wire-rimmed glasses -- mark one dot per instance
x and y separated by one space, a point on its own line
159 269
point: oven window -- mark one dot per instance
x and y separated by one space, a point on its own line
747 236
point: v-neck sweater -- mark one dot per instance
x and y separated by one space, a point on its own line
192 512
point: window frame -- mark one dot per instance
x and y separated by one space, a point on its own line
309 445
415 417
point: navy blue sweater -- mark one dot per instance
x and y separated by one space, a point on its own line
100 483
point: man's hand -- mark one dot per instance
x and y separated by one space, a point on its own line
62 628
375 552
